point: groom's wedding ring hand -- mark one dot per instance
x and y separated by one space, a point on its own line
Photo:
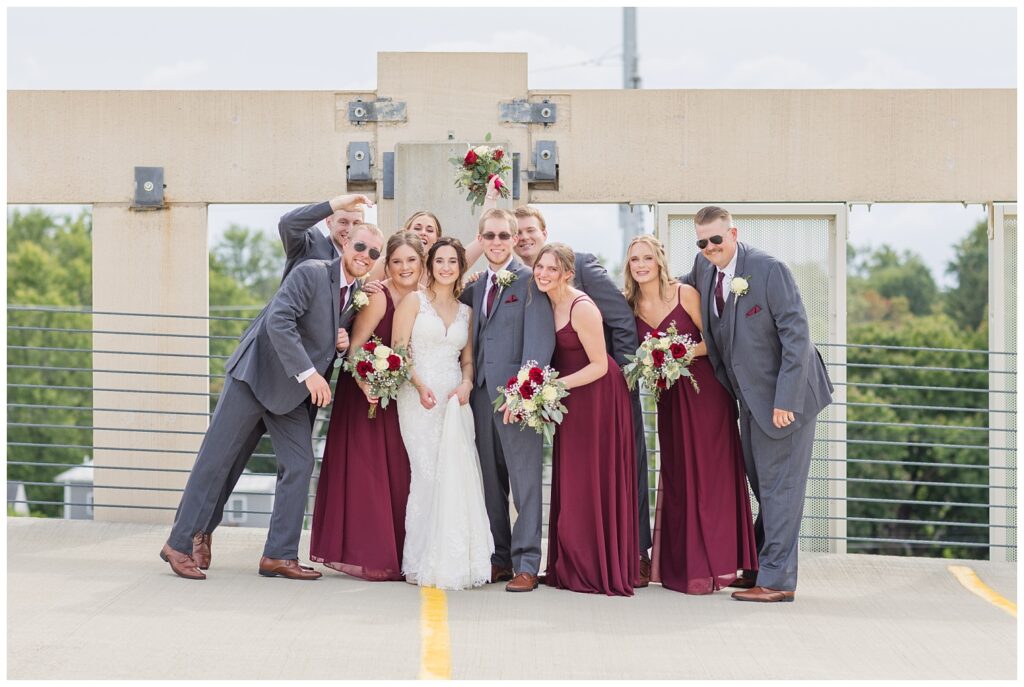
319 390
342 344
783 418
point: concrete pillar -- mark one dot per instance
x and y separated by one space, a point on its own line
148 262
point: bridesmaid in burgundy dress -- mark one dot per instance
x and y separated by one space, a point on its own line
703 533
359 515
592 526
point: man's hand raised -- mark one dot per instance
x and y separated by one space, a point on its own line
350 202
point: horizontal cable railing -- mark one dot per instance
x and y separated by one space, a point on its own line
928 434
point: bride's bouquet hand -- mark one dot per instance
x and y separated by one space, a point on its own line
427 398
462 392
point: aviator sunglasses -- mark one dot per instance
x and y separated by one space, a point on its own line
359 247
716 239
490 236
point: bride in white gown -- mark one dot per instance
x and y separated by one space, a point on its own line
448 541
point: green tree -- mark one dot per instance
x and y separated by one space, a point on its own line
893 275
966 302
252 259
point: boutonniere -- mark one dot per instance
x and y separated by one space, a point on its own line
358 301
739 286
506 277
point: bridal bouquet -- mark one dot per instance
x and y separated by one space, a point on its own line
478 167
534 397
661 360
381 368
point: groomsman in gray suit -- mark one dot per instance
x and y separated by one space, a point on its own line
758 341
275 374
620 338
302 241
512 324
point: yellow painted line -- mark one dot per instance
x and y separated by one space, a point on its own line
436 647
969 579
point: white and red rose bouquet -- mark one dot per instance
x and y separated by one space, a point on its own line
534 397
382 368
478 167
661 360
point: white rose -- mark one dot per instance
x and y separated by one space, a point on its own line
533 422
738 285
549 394
530 405
481 150
524 374
663 344
382 352
380 364
648 361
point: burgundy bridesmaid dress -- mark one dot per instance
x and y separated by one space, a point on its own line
703 531
359 516
592 526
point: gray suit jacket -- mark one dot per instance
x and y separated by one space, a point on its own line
619 325
520 328
302 240
297 331
772 357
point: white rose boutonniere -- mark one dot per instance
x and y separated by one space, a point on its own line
506 277
360 300
740 286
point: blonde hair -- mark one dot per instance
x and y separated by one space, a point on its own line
420 213
513 225
365 226
664 281
530 211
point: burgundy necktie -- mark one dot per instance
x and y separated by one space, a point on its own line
492 294
344 297
719 299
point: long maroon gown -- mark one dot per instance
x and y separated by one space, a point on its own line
703 531
592 525
359 515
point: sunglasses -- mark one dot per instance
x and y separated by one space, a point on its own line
359 247
716 239
490 236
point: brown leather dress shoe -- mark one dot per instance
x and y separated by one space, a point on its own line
744 583
764 595
182 564
523 582
499 574
201 542
274 567
645 573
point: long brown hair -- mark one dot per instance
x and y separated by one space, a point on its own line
664 281
460 252
404 238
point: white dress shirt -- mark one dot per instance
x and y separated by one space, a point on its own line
730 272
303 376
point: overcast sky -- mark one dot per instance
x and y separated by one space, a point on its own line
335 49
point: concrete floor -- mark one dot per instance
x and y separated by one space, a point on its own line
92 600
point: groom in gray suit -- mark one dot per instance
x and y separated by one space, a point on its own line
759 343
512 324
275 374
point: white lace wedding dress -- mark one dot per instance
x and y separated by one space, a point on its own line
448 542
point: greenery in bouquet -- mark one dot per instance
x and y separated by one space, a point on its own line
480 164
661 360
383 369
534 398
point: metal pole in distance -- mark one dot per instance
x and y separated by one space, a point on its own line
630 223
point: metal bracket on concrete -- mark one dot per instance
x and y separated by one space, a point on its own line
389 176
525 112
380 110
545 162
149 188
359 161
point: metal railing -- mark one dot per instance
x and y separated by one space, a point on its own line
929 439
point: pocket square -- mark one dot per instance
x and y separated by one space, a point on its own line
512 299
753 311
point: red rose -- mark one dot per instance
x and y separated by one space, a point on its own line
660 383
678 350
526 391
511 383
498 185
394 362
470 160
370 346
659 357
498 154
536 375
364 368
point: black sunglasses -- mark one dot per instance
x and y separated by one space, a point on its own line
359 247
490 236
716 239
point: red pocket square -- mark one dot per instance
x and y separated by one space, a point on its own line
753 311
512 299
